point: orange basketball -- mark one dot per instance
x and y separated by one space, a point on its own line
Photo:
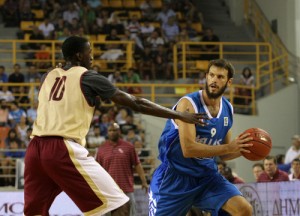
262 144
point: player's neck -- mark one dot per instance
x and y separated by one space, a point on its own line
70 64
213 102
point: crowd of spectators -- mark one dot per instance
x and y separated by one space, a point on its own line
150 27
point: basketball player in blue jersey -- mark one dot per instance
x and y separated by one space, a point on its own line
56 159
188 174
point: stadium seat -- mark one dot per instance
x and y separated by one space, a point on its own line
197 26
202 64
101 37
39 14
135 13
26 25
116 4
129 4
2 2
105 3
157 4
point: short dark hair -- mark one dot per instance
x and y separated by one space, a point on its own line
222 63
1 66
258 165
73 45
270 157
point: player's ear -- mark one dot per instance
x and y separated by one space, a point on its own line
79 56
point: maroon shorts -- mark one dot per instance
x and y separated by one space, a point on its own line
54 164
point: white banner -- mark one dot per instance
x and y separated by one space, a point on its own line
267 199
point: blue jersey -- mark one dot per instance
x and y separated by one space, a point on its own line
170 152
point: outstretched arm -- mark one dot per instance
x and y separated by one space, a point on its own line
147 107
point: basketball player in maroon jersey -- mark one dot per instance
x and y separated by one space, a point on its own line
56 159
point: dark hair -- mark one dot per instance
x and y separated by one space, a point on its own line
1 66
73 45
244 71
296 160
222 63
271 158
258 165
280 158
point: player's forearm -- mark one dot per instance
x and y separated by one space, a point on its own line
149 108
203 150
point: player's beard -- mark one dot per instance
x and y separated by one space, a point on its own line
217 94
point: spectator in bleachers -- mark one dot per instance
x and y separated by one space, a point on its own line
12 135
271 172
132 77
113 22
22 97
3 75
246 79
121 116
102 19
42 56
15 114
134 26
96 139
26 14
191 12
146 64
54 13
61 36
119 159
295 175
116 76
16 76
6 94
34 90
155 40
10 160
227 173
32 74
47 28
209 36
146 29
294 151
71 13
137 46
59 26
27 138
257 169
202 79
74 26
147 10
128 125
162 69
104 123
132 137
32 113
191 32
94 4
165 13
170 30
10 11
21 129
281 165
3 113
87 16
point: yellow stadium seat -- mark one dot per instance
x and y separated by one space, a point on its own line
129 3
37 23
116 3
156 4
26 25
101 37
135 13
2 2
92 37
197 27
155 24
27 36
202 64
105 3
39 14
